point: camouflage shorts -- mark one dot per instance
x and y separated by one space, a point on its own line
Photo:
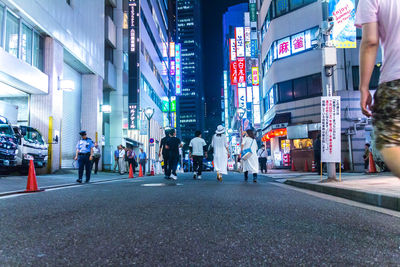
386 115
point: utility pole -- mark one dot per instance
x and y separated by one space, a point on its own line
329 63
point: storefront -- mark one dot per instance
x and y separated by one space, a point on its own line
290 145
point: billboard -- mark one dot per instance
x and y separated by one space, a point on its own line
330 129
232 54
172 67
344 29
255 75
178 72
173 103
284 48
132 118
253 10
172 49
298 43
247 34
234 72
242 98
165 104
241 72
240 43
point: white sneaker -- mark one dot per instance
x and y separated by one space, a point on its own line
199 177
174 177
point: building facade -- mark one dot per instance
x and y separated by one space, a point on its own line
191 104
293 81
52 69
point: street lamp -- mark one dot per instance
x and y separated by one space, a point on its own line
148 112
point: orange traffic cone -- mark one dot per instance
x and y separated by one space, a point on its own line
32 183
306 166
152 170
140 171
131 171
372 167
293 168
313 169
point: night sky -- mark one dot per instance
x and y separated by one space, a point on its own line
213 57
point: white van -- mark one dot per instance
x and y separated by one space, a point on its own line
31 146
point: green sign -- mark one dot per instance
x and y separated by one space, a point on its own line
253 11
165 104
173 104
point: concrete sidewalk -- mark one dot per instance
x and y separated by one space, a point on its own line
382 189
17 184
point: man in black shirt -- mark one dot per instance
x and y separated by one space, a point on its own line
165 152
173 144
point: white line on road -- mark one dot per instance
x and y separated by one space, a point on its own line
341 200
65 187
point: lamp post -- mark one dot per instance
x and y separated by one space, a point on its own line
148 112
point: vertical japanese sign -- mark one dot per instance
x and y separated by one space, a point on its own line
226 98
242 99
241 70
254 48
234 72
253 10
254 74
173 104
172 49
240 43
330 129
134 59
232 52
178 73
344 29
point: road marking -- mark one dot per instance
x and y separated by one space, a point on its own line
64 187
161 184
11 196
341 200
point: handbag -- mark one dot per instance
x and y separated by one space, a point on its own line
247 153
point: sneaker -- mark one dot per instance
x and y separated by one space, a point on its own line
166 178
255 181
79 181
174 177
199 177
194 176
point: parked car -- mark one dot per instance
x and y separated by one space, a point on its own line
8 145
31 147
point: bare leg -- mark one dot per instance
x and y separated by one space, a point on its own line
392 159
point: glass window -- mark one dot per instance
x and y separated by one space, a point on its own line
12 30
38 45
285 91
374 82
314 85
306 2
33 136
26 44
295 4
282 7
300 87
1 23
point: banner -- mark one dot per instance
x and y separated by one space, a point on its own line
256 77
234 72
241 76
232 52
178 72
344 29
242 99
330 129
253 10
239 34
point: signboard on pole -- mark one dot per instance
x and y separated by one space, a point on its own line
232 51
253 10
242 98
178 72
344 29
234 72
330 129
240 43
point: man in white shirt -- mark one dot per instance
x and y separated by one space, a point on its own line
121 160
262 158
197 148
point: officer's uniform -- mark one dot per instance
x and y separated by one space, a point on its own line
84 147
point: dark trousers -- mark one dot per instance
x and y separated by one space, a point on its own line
166 162
263 164
246 176
317 159
95 162
143 164
84 163
198 164
133 163
171 166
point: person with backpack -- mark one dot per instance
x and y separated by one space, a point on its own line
249 155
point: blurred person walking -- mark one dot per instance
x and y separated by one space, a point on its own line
143 160
121 160
164 152
221 152
96 157
262 159
173 143
197 148
380 23
116 157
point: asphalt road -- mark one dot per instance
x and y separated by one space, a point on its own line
196 223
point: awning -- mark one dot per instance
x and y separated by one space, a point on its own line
280 120
132 142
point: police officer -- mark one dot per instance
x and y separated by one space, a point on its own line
84 155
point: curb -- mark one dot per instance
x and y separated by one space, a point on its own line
2 194
383 201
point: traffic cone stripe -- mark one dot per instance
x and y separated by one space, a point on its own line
32 183
131 171
313 169
140 171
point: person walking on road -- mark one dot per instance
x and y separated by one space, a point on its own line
197 148
116 157
262 159
96 157
84 156
173 143
143 160
380 23
317 153
121 160
250 164
164 152
221 152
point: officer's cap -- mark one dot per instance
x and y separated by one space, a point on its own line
82 133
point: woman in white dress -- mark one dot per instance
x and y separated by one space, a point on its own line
250 164
221 152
